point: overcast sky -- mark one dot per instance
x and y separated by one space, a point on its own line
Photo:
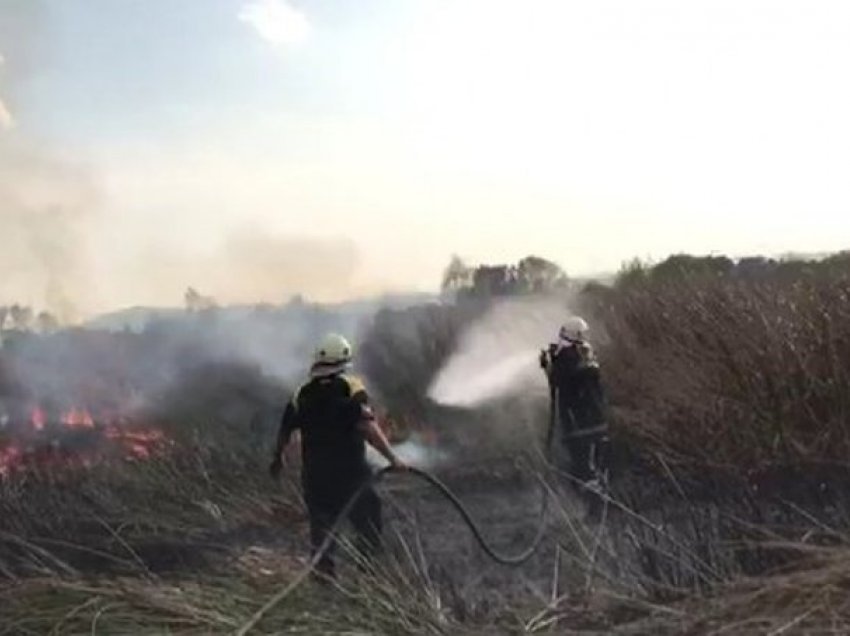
255 147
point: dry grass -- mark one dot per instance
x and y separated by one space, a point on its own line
135 517
736 388
643 571
732 372
811 599
391 598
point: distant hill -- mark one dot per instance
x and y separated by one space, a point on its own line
137 318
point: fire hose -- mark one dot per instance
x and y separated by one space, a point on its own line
444 490
448 494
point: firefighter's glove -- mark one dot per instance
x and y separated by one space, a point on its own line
399 464
275 467
544 359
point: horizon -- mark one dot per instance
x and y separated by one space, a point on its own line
436 292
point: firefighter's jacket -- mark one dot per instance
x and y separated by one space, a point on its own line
327 411
576 387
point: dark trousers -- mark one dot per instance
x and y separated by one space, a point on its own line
326 499
585 439
587 456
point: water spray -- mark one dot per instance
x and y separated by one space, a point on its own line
498 354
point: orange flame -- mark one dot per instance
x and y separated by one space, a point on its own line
77 418
112 440
38 419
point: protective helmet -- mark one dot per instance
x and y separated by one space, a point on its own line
573 329
333 352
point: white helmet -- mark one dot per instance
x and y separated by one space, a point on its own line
573 329
333 354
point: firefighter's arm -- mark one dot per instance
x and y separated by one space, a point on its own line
367 423
544 360
287 426
375 436
546 356
368 426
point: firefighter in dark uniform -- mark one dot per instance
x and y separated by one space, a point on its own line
333 415
578 399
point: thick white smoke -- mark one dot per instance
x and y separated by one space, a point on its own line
498 355
415 451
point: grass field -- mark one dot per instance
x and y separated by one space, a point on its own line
729 511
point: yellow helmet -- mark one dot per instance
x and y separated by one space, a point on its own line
333 354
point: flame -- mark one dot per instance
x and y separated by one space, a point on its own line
149 436
77 418
112 437
139 444
38 419
140 451
9 458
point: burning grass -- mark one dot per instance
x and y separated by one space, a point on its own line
172 510
75 438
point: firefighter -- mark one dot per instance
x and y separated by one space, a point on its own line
332 412
578 399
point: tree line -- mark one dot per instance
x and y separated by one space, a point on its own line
23 318
531 275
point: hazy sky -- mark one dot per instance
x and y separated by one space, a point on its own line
252 147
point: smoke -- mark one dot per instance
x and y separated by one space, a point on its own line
415 451
250 265
46 201
497 356
124 219
67 249
224 363
279 341
44 206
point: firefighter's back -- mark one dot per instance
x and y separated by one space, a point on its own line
329 410
576 375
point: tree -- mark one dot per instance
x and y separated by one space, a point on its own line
682 266
540 275
457 276
198 302
21 317
532 275
46 322
495 280
632 274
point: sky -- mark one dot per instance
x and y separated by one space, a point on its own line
258 148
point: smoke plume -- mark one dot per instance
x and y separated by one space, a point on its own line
101 225
45 200
248 266
44 205
67 249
